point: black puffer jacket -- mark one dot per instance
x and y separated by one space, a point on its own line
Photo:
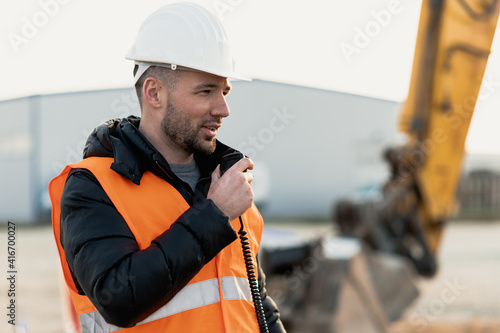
102 253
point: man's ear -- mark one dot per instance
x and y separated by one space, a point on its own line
153 92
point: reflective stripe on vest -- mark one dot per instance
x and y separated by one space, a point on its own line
192 296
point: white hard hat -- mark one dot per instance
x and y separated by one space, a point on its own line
183 35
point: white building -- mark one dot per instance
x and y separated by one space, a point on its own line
310 146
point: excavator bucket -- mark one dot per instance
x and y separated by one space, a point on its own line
332 284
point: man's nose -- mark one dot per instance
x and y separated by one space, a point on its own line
221 108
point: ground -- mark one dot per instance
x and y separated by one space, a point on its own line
462 298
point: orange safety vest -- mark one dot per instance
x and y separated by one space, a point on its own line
217 299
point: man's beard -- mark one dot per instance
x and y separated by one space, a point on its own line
178 127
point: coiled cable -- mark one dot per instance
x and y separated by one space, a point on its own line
227 161
252 280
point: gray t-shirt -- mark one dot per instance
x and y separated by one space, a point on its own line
188 173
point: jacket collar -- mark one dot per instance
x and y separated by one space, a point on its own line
133 154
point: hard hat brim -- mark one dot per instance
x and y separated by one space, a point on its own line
144 65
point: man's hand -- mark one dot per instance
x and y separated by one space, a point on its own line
232 192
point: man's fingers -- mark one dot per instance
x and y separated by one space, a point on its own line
239 167
244 164
248 176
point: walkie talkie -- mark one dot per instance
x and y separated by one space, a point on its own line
226 162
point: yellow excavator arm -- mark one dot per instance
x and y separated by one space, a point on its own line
453 44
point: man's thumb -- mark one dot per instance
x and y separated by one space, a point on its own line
216 174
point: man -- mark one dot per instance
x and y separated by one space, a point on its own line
146 223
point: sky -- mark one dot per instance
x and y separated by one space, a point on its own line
51 46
